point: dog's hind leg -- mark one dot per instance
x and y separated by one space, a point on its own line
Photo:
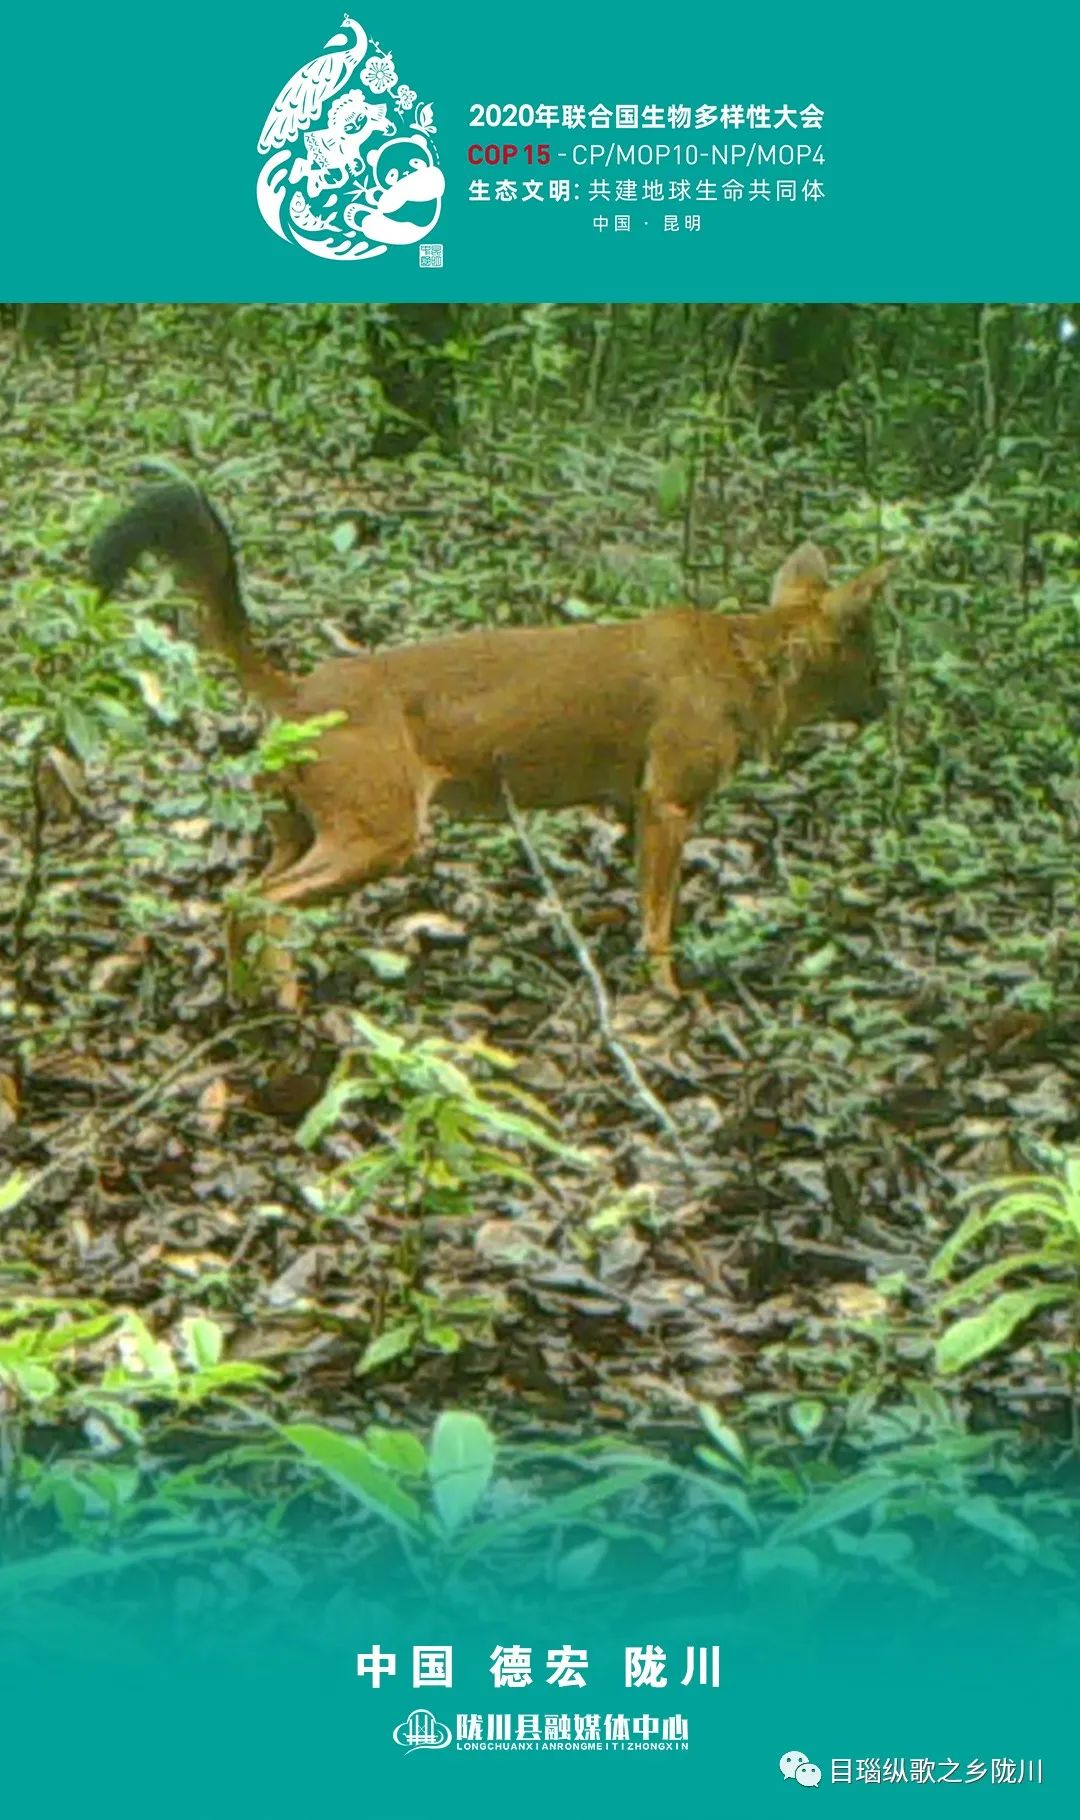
348 855
358 813
345 856
292 835
379 835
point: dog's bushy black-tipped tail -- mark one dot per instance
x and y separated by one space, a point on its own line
178 524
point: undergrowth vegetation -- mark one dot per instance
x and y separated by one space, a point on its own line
470 1257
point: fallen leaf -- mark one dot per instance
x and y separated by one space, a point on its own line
214 1102
9 1101
61 783
113 969
430 926
855 1302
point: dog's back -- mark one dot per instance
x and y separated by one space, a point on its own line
652 713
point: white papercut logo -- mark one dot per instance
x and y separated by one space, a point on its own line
349 166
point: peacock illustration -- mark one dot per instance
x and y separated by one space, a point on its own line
302 99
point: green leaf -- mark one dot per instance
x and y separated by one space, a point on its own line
445 1339
1029 1197
889 1547
326 1113
726 1438
397 1450
343 536
987 1515
154 1355
806 1417
295 742
388 1345
384 1042
992 1273
34 1382
568 1507
81 731
75 1334
579 1565
204 1341
461 1460
979 1334
59 1567
349 1463
837 1505
385 964
673 486
819 962
730 1496
758 1563
15 1188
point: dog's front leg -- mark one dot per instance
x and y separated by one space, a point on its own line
689 753
662 831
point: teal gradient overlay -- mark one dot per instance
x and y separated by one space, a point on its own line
949 145
268 1714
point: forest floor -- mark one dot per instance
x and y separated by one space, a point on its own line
881 935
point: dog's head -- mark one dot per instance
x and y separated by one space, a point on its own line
835 673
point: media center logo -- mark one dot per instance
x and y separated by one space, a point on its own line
350 169
422 1731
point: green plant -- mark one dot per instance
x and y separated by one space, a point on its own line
448 1504
887 1492
76 1367
437 1323
450 1132
1040 1214
91 673
45 1343
435 1135
294 742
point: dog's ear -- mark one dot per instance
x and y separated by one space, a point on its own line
802 579
853 600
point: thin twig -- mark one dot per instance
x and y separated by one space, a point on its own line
28 896
621 1056
31 885
78 1153
341 642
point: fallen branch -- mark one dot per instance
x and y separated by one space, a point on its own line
19 1186
618 1051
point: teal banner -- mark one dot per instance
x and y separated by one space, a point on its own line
608 153
765 1710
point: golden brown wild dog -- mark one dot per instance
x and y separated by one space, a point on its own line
649 715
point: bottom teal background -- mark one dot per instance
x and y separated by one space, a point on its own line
263 1711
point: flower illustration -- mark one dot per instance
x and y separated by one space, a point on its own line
379 74
404 98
